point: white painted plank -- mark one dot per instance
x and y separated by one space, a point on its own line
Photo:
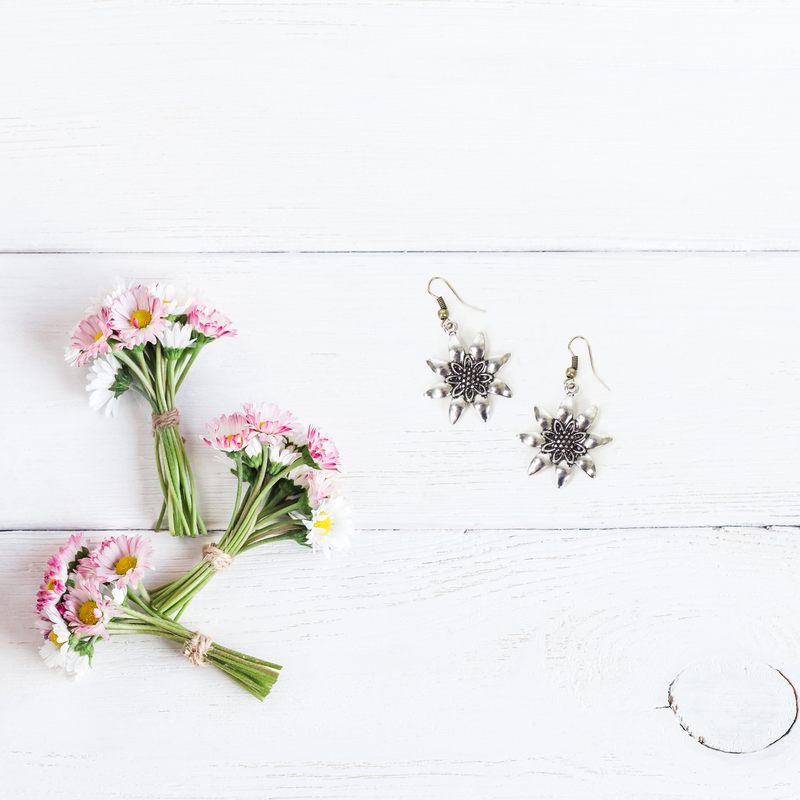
699 350
509 664
257 125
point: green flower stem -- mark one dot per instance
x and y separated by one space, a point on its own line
253 674
185 367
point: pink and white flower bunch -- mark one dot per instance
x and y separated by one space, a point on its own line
93 593
146 337
288 470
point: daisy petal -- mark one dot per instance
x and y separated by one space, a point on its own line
562 474
438 391
587 465
457 405
539 462
592 441
531 439
543 419
494 364
565 409
482 407
441 368
455 349
498 387
584 420
478 346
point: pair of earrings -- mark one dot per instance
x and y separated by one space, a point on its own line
469 377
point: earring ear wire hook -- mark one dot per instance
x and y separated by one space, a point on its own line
591 359
458 296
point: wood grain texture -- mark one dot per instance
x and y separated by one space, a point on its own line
445 663
699 350
467 125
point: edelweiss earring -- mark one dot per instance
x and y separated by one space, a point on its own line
565 440
468 377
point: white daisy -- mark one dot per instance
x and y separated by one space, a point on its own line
330 527
55 650
176 336
119 286
77 664
102 376
282 455
176 299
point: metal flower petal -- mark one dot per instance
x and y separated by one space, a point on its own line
585 420
539 463
543 419
562 474
531 439
457 405
587 465
498 387
593 441
483 408
478 346
441 368
455 350
438 391
494 364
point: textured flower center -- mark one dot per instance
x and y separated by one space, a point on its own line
86 614
51 584
54 639
324 524
141 318
124 564
98 336
469 378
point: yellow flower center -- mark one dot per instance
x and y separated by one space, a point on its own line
86 614
124 564
54 639
98 335
141 318
324 523
51 583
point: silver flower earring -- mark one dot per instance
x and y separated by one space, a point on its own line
468 377
565 440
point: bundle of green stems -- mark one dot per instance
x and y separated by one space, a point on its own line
157 373
261 515
142 618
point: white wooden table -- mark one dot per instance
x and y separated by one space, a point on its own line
626 172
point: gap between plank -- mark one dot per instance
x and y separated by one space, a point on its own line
750 526
621 251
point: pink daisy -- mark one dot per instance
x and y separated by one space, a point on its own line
228 433
322 450
54 584
90 338
138 316
268 422
208 321
319 486
123 559
86 611
55 577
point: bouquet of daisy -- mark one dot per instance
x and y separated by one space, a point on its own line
286 469
146 338
93 593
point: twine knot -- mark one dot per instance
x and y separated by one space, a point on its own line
216 557
196 648
169 419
